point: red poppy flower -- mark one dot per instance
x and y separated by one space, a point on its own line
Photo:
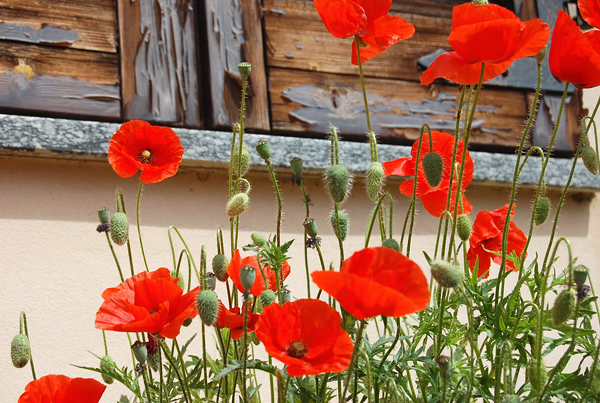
307 336
157 151
148 302
575 55
236 263
62 389
234 319
487 236
485 33
377 281
433 199
590 11
366 18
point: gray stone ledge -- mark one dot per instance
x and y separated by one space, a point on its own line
26 135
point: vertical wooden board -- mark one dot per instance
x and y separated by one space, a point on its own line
234 35
159 74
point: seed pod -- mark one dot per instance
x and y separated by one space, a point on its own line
208 306
245 161
267 298
343 217
463 227
244 69
563 308
258 239
433 166
140 351
446 274
237 204
104 215
263 148
20 351
119 228
392 244
374 180
219 267
297 166
107 364
338 183
542 209
310 226
247 277
286 296
580 275
590 159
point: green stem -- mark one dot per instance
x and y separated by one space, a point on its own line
245 352
278 194
357 39
137 216
177 374
112 249
374 216
23 323
354 358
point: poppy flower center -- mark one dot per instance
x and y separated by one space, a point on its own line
297 349
146 156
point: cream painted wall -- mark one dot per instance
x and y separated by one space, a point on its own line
54 265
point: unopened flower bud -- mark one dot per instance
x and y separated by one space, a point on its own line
20 351
186 323
244 68
258 239
374 180
219 267
563 307
264 149
392 244
267 298
106 365
463 227
542 209
541 55
446 274
297 166
140 351
104 215
240 166
444 364
580 275
433 166
343 218
247 277
310 226
119 228
590 159
237 204
211 281
531 372
208 306
338 183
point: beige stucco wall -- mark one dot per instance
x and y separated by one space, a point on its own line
54 265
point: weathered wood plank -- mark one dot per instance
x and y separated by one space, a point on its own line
92 21
234 34
310 102
159 61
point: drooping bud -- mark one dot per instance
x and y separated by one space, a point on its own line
531 372
119 228
264 149
267 298
244 68
590 159
392 244
563 308
297 166
186 323
580 275
541 55
20 350
140 351
106 365
446 274
258 239
219 267
343 218
247 277
444 364
374 180
104 215
433 165
542 209
463 227
237 204
338 183
208 306
240 170
310 226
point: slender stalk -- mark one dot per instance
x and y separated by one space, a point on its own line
177 374
23 324
112 249
357 40
355 355
278 194
245 353
137 216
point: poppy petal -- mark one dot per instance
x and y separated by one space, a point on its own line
382 33
454 68
590 11
342 18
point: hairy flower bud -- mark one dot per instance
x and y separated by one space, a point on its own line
374 180
258 239
590 159
563 308
542 209
240 166
219 267
433 166
463 227
208 306
106 365
446 274
338 182
119 228
267 298
343 218
392 244
531 372
20 351
237 204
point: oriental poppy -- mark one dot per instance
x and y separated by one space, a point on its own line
487 34
236 263
234 319
377 281
148 302
575 55
154 150
307 336
487 236
434 199
369 20
62 389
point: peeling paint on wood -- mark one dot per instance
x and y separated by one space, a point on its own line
159 61
47 34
